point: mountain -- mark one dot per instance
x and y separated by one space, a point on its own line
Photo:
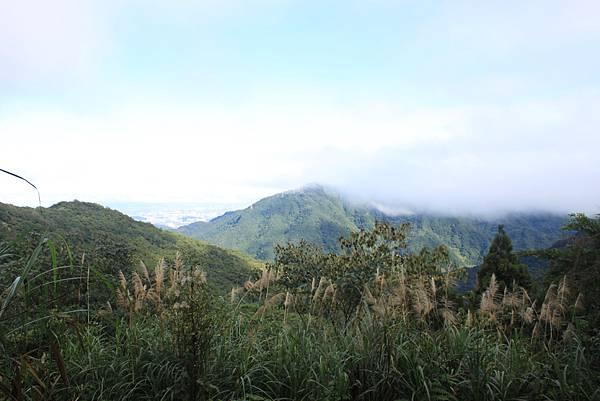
112 241
313 214
321 216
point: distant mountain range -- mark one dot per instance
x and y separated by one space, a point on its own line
321 216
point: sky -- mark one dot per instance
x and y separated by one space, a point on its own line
452 107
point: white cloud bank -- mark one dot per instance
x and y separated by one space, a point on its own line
526 156
533 148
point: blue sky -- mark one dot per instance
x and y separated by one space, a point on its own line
444 106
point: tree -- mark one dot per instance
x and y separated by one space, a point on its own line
299 265
578 258
365 257
503 263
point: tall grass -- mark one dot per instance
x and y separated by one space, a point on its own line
283 362
34 313
167 336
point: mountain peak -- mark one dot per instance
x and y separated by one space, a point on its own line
313 188
322 215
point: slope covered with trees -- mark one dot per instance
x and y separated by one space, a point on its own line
374 322
321 217
111 241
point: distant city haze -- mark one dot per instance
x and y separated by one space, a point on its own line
415 106
172 215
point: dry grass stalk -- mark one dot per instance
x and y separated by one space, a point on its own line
400 292
122 280
536 330
555 304
235 293
529 315
569 332
159 276
175 277
422 301
433 288
489 304
267 277
106 310
139 292
563 291
286 305
449 280
579 306
268 304
329 293
288 300
367 296
470 320
549 302
317 295
155 293
525 299
144 270
449 316
122 292
199 275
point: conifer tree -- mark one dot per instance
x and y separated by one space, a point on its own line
502 262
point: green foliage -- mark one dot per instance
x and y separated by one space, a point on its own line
503 263
370 361
366 259
186 342
113 361
312 215
194 326
298 265
321 217
33 312
578 258
365 255
111 242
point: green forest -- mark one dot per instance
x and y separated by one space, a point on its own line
97 306
321 216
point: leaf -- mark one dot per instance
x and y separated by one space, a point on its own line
17 282
54 263
10 294
27 181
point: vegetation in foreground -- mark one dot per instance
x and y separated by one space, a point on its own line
371 323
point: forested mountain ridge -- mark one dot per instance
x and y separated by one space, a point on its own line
321 216
113 241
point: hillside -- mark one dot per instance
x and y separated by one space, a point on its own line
321 216
313 214
113 241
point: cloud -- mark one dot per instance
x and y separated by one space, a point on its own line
61 43
538 156
530 155
514 26
47 42
450 108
